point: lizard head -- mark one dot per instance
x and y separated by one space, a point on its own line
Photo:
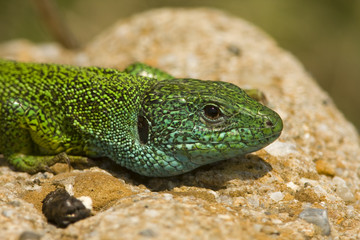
196 122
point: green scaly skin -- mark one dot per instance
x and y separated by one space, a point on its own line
142 118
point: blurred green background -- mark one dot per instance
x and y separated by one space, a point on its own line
323 34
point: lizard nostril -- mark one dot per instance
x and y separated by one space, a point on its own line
269 123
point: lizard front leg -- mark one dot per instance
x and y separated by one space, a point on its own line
30 140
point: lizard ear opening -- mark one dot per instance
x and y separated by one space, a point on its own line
143 129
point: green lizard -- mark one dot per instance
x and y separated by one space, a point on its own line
142 118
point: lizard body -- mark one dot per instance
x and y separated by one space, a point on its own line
144 120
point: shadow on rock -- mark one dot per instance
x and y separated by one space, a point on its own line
213 176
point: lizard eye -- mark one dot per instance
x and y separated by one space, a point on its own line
212 112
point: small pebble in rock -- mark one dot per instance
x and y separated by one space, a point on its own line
234 49
7 213
27 235
279 149
325 168
293 186
86 201
277 196
342 190
147 233
152 213
168 196
319 217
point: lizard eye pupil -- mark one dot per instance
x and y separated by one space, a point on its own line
212 112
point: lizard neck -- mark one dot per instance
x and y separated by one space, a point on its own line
149 160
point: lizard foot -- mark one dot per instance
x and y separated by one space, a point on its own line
33 164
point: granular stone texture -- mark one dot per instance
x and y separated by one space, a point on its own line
315 164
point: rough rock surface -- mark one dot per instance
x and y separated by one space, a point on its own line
314 165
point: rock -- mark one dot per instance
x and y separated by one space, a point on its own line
62 209
259 196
